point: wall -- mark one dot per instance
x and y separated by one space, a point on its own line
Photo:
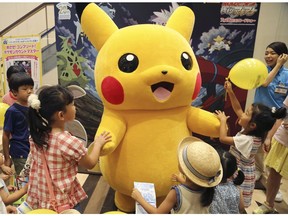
272 26
37 24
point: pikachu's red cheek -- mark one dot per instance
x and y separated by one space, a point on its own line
197 86
112 90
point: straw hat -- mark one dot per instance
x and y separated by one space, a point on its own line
200 162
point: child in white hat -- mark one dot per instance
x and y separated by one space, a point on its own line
200 165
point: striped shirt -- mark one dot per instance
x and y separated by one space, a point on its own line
248 146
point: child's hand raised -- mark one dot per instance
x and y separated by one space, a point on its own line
178 178
221 116
228 86
136 195
103 138
174 177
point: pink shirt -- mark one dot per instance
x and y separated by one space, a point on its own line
281 135
62 158
9 98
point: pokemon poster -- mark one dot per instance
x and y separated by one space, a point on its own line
224 33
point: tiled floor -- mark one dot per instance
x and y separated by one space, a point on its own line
101 196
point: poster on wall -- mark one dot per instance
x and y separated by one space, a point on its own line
26 52
219 41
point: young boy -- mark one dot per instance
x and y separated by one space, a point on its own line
8 98
15 131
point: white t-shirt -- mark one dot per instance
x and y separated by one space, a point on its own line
243 144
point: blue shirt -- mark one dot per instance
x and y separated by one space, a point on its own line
267 95
16 123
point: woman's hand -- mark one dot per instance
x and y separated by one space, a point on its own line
282 59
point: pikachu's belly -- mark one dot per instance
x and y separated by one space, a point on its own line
147 153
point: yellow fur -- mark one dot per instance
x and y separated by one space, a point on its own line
146 130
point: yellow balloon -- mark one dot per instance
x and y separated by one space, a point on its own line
3 108
42 211
248 73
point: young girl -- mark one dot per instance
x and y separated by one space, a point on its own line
277 160
200 164
63 152
228 197
256 122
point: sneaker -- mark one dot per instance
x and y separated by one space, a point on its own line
263 209
279 197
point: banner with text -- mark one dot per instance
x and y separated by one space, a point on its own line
26 52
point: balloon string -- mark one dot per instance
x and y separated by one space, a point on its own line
225 97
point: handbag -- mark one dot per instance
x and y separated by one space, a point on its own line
53 202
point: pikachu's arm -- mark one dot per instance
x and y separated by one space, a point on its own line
114 124
203 122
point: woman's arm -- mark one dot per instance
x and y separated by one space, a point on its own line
282 59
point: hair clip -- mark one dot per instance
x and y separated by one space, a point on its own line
273 109
34 102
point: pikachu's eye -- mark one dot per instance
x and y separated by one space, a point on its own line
128 63
186 61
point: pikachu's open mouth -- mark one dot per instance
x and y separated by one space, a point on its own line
162 90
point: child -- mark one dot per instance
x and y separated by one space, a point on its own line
64 152
5 195
200 164
9 98
228 197
256 122
277 160
15 137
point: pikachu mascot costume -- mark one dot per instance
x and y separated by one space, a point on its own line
147 76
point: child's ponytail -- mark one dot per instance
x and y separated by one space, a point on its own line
240 178
278 113
42 109
39 127
264 118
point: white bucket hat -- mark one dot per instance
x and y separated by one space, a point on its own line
200 162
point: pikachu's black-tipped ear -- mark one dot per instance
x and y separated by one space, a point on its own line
80 8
